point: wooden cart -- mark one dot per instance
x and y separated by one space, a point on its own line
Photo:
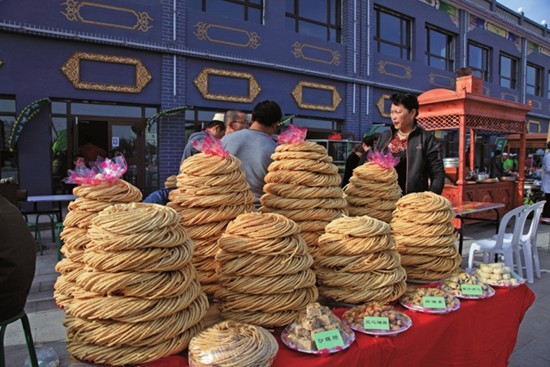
467 110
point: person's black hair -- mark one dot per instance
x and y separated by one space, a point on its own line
548 144
368 141
498 152
213 123
406 99
267 113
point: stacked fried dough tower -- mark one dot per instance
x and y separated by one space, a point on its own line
91 200
357 262
373 190
302 184
212 191
264 270
140 299
423 232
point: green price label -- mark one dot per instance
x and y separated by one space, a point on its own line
376 323
433 302
471 289
328 339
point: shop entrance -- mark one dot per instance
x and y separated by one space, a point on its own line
107 137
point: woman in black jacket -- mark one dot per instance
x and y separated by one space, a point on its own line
420 166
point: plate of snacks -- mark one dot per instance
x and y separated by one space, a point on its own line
499 275
377 319
318 331
467 286
429 300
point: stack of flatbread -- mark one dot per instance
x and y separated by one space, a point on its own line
424 235
357 262
372 190
212 190
140 299
91 200
264 270
303 184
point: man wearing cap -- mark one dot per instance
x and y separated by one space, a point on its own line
215 128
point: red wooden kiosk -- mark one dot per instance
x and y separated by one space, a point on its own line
467 110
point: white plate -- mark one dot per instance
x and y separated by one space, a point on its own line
360 328
501 284
347 337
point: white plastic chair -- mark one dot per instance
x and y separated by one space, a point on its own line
510 248
528 242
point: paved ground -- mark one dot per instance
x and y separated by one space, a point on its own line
532 348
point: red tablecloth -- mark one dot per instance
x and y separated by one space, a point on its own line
480 333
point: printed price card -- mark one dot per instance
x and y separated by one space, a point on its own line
471 289
328 339
433 302
376 323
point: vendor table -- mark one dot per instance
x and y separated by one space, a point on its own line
53 199
481 333
466 208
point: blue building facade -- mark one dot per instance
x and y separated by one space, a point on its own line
105 67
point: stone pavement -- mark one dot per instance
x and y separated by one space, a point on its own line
532 347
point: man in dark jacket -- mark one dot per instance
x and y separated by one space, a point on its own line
17 260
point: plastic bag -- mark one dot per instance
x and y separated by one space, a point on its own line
46 356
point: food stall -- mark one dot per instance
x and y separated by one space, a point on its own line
468 111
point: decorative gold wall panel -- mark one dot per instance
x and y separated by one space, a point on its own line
297 93
509 97
301 51
71 69
381 105
535 123
73 8
407 71
252 40
442 81
201 82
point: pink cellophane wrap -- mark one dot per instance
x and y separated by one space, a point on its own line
102 170
293 135
211 146
383 160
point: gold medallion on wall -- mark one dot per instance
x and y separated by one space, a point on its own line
201 81
381 105
89 12
72 70
298 94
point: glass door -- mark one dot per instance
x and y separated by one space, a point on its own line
127 137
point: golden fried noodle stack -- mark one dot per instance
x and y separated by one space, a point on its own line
233 344
91 200
264 270
424 235
357 262
140 299
372 190
303 184
212 190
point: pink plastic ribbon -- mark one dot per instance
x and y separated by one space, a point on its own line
386 161
102 170
293 135
211 146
